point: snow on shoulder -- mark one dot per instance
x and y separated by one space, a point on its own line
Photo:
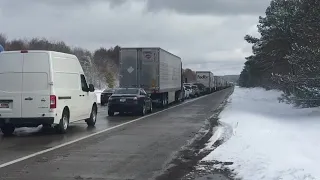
268 139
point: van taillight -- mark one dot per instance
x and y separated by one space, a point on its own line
53 101
24 51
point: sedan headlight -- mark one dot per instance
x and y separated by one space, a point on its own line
135 98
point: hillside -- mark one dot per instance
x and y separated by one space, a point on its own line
232 78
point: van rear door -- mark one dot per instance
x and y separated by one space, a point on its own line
35 87
10 84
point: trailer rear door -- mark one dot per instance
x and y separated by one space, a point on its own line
148 65
129 67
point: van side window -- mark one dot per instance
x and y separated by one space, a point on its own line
84 85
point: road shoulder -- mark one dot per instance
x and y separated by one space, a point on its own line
185 162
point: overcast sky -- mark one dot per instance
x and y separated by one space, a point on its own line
206 34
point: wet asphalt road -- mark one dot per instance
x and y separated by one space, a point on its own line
138 150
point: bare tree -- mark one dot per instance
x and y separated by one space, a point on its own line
16 45
3 40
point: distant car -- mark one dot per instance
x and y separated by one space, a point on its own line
187 84
187 92
105 96
134 100
201 87
196 90
190 90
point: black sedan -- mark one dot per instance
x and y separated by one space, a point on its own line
134 100
105 96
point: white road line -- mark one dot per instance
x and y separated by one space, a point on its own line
91 135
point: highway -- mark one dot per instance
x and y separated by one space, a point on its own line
118 148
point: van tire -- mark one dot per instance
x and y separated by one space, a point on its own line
7 130
93 117
63 125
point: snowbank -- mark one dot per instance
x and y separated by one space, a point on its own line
266 139
98 93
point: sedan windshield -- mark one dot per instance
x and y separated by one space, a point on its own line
187 87
108 91
126 91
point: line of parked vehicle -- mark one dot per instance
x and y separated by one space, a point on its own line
153 77
50 88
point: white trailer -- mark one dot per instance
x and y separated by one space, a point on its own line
220 83
207 79
154 69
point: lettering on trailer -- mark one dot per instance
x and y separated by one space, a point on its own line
202 76
148 55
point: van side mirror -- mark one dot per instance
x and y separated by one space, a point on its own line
91 88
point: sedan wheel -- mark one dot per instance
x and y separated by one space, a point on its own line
110 113
7 130
143 110
150 110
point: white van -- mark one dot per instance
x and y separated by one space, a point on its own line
43 88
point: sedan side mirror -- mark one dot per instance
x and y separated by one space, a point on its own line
91 88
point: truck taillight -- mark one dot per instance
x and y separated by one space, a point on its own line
53 102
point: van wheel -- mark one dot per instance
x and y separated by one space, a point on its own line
93 117
7 130
110 113
64 122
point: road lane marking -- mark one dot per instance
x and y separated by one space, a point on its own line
94 134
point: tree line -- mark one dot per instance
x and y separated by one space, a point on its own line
286 55
101 66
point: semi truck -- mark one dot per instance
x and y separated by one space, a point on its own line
207 79
157 71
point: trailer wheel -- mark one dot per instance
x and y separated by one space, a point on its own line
166 100
150 110
163 100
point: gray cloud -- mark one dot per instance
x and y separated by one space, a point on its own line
216 7
202 41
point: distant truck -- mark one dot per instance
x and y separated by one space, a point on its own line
157 71
220 83
207 79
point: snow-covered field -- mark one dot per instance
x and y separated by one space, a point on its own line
266 139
